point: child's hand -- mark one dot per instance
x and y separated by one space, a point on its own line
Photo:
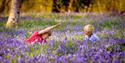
51 27
57 25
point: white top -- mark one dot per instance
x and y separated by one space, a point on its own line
93 38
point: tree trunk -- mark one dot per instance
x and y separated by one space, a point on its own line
70 6
2 7
14 14
56 7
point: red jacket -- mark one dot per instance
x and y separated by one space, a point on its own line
35 37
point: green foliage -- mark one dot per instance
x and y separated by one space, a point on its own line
7 56
122 47
55 45
77 16
37 49
108 24
2 24
27 34
109 48
14 60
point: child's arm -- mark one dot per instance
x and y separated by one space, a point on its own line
48 29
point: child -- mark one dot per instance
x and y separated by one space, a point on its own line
41 36
89 35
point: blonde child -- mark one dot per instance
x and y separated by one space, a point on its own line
89 35
40 36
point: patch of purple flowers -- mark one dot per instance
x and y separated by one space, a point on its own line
67 45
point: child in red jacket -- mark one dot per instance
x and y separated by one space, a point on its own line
41 36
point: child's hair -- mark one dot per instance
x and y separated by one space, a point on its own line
88 27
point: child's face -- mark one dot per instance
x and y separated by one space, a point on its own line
89 33
45 36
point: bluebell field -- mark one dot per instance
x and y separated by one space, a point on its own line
66 45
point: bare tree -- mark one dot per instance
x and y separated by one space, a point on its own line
14 14
70 6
